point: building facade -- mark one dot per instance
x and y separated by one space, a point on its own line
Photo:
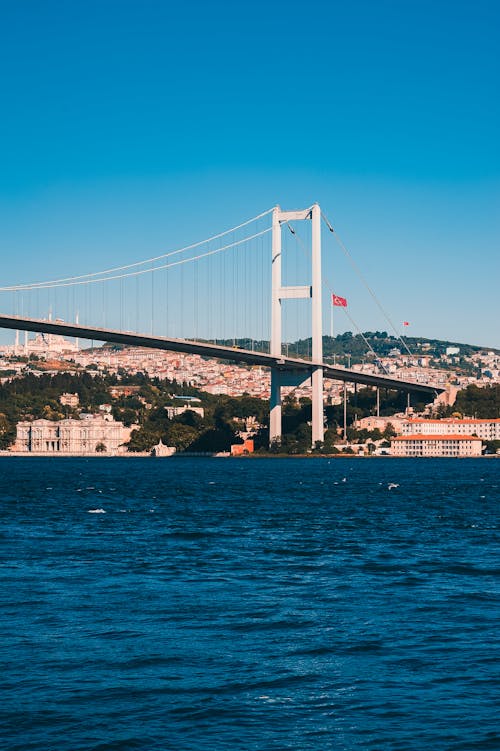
175 411
488 430
90 435
69 400
372 423
436 445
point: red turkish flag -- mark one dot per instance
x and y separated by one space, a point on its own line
341 302
405 323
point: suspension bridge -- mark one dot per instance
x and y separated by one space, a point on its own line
260 283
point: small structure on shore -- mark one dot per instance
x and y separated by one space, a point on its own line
243 449
161 450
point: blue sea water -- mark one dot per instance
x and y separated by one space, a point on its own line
212 604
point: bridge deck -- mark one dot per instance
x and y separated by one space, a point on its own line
206 349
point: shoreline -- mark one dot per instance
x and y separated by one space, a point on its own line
188 455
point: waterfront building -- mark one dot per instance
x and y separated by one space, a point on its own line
488 430
436 445
89 435
161 450
242 449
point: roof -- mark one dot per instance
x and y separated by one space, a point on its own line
436 437
454 421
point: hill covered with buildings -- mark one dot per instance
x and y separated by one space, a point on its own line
149 411
198 404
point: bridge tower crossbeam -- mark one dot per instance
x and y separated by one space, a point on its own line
280 378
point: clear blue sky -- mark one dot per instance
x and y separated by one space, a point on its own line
130 127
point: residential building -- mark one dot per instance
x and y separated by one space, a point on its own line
69 400
175 411
372 423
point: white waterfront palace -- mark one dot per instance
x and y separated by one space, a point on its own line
90 434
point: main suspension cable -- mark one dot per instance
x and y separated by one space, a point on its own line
55 282
76 283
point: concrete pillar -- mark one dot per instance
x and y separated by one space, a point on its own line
276 285
275 406
313 292
345 411
317 329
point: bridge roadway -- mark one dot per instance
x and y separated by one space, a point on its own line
205 349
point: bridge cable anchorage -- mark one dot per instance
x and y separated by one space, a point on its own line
54 282
327 285
370 290
51 285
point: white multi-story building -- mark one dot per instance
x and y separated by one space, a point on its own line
371 423
436 445
89 435
174 411
69 400
488 430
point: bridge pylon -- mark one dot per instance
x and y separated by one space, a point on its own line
280 377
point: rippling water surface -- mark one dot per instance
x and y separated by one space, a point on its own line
210 604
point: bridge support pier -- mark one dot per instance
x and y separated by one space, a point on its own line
275 407
318 430
279 293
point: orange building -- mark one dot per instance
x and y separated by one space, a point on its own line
240 449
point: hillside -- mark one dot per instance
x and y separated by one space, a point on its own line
380 342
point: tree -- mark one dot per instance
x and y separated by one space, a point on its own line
389 431
492 447
101 447
482 403
143 439
330 439
7 432
180 436
127 416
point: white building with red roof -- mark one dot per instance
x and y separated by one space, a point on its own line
436 445
488 430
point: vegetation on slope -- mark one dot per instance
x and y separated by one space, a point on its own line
37 396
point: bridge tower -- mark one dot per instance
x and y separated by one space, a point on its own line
279 377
